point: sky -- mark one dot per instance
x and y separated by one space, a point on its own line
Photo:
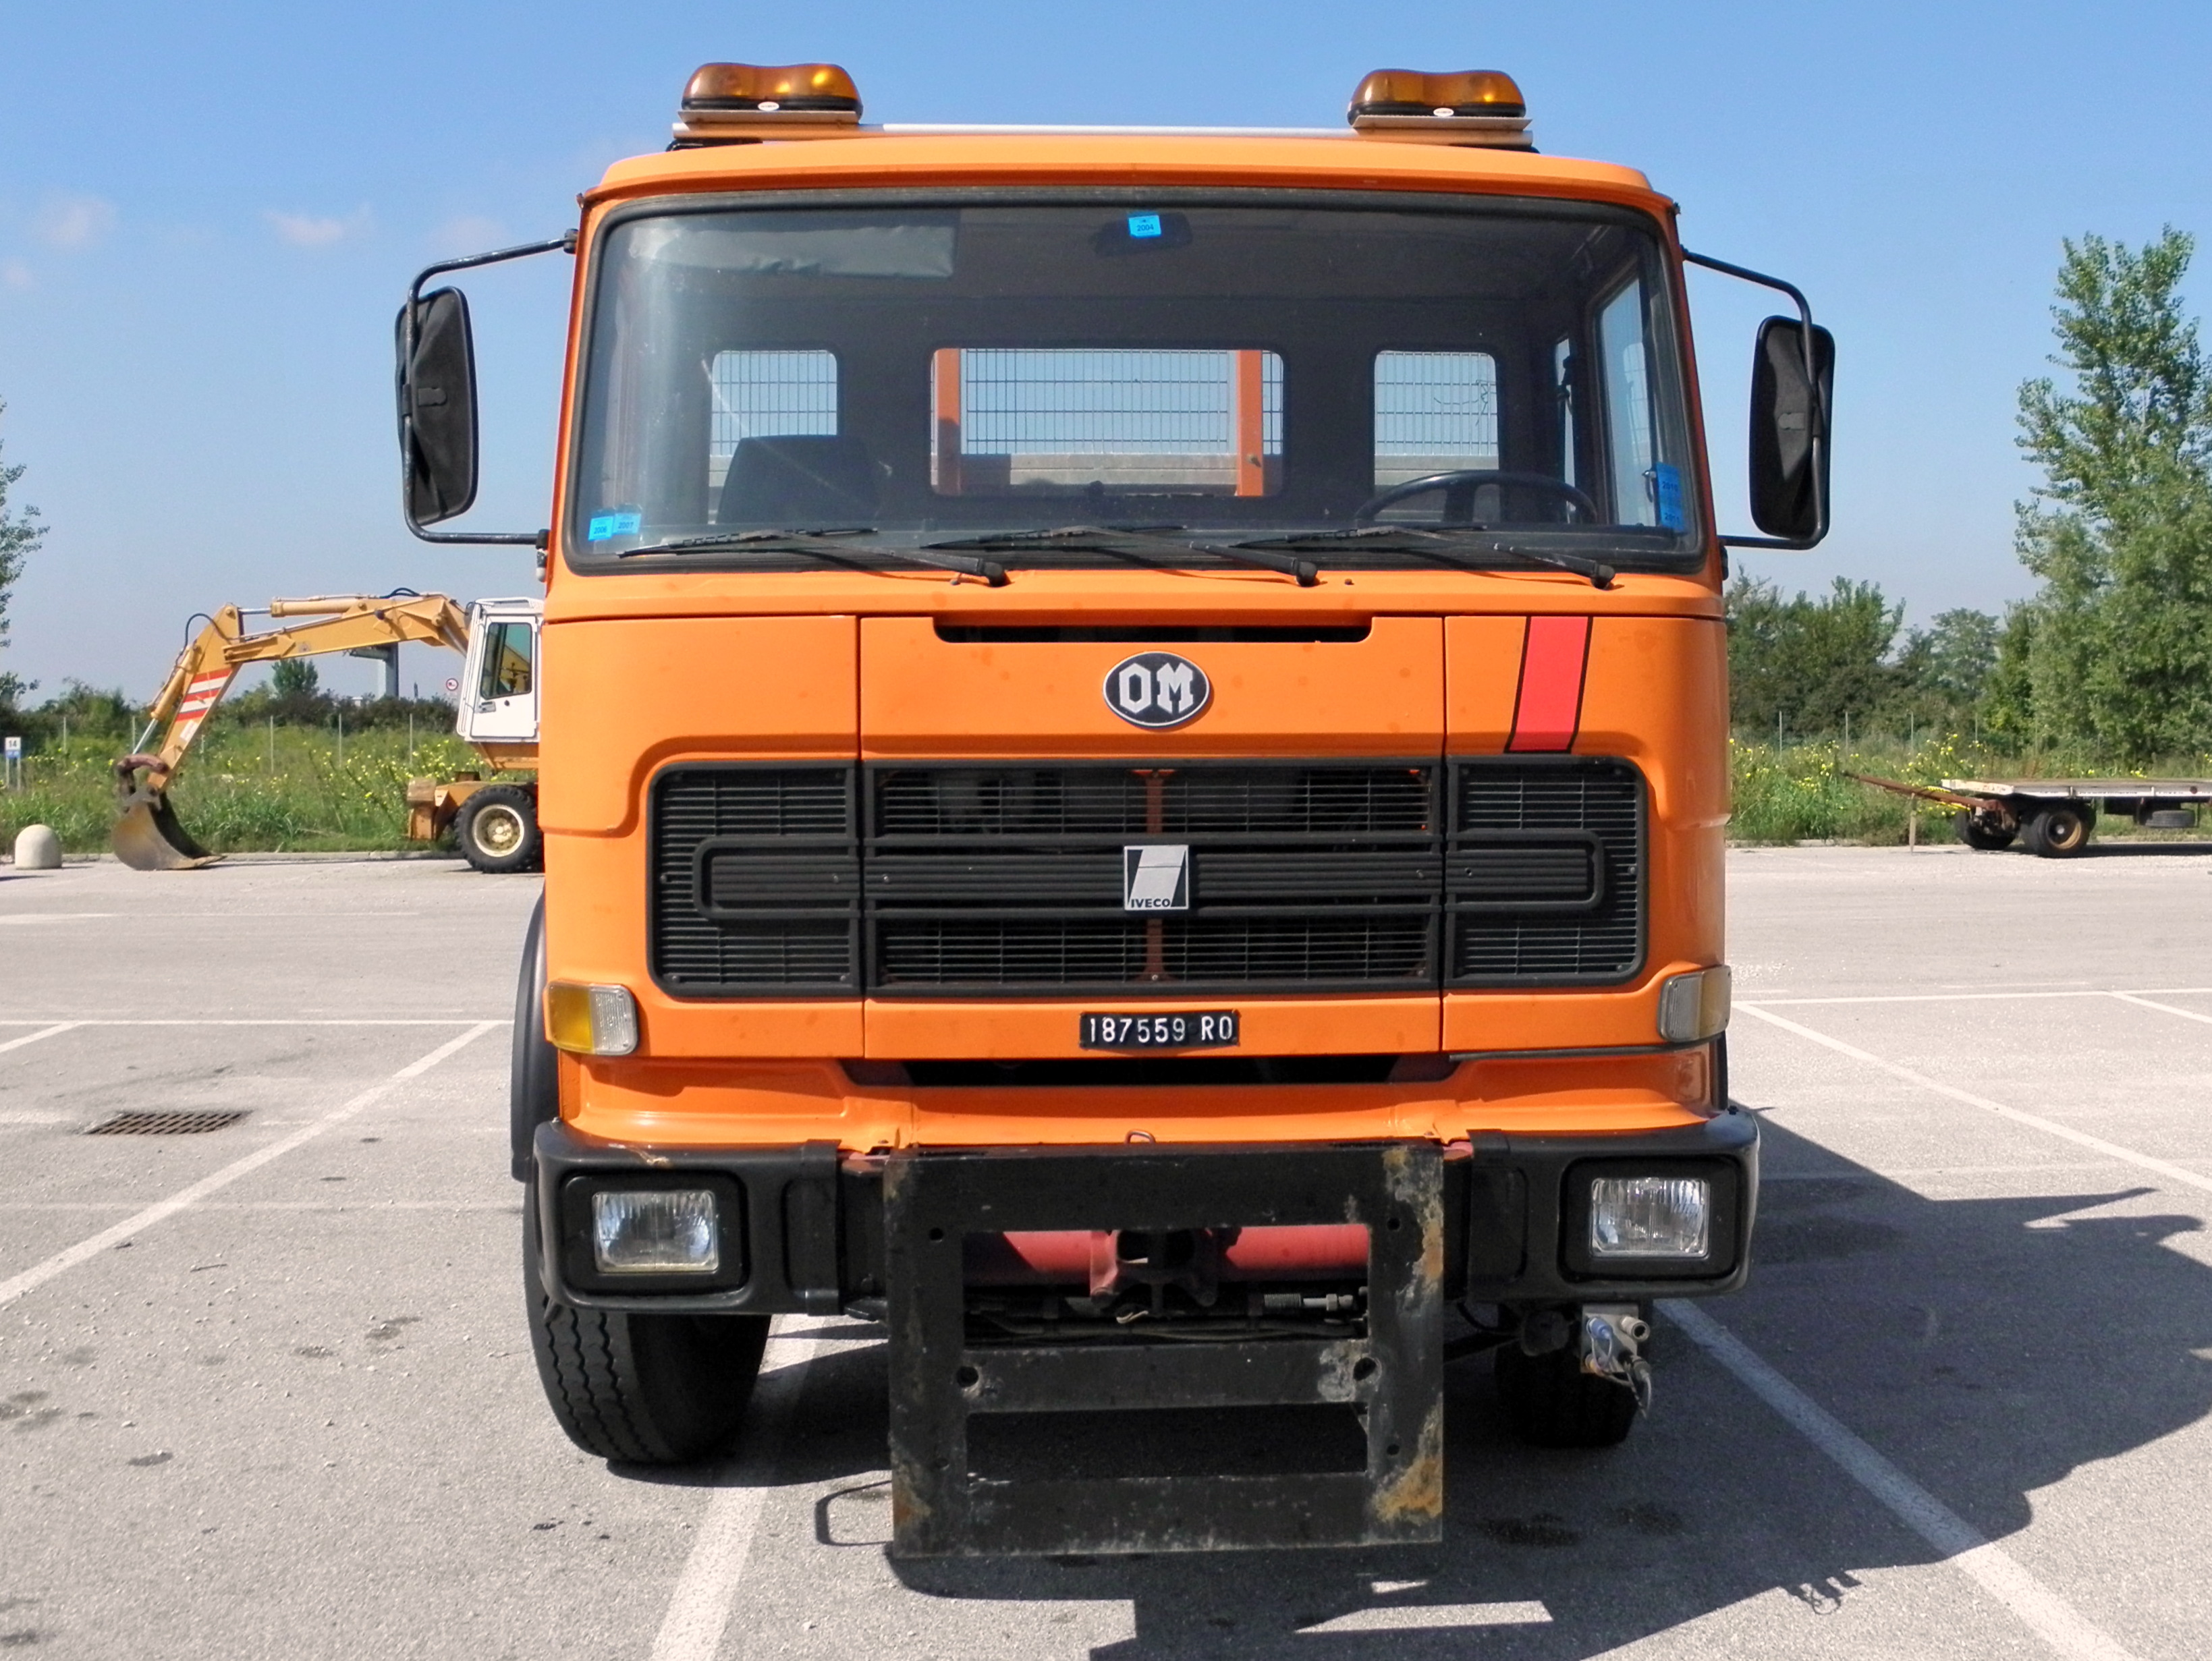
208 216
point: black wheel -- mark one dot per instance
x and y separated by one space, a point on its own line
1984 833
1552 1403
533 1068
654 1390
2059 831
497 830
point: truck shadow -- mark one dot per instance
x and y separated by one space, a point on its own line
1988 1346
2127 848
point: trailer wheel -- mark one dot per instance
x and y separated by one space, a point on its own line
2059 831
654 1390
497 830
1978 832
1552 1403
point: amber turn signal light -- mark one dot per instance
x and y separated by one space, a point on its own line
760 89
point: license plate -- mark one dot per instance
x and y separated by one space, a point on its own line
1184 1029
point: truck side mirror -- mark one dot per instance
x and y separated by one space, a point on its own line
438 408
1789 476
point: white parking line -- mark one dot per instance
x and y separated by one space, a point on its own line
2138 999
2051 1617
699 1609
1434 1617
1995 997
58 1027
2187 1179
273 1020
40 1273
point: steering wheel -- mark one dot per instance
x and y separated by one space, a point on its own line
1459 488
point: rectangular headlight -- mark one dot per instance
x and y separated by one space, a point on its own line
1650 1217
655 1231
592 1020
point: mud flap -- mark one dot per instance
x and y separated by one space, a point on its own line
1383 1375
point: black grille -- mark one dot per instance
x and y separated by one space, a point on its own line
1008 878
755 880
1544 873
945 879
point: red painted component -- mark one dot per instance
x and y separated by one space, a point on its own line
1064 1255
1550 704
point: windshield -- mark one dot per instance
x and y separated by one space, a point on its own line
1506 373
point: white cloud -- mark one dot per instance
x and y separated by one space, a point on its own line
468 233
316 231
75 222
17 274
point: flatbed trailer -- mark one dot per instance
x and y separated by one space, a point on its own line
2054 818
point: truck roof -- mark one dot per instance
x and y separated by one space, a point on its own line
1324 157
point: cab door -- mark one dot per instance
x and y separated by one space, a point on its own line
503 686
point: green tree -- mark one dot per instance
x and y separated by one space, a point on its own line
1812 661
21 534
294 677
2116 647
1956 658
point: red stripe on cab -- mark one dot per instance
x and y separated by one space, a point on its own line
1549 707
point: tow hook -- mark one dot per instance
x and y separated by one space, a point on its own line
1608 1346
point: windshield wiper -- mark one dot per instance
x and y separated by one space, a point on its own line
1139 543
1410 539
822 545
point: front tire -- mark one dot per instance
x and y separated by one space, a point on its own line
653 1390
1552 1403
497 830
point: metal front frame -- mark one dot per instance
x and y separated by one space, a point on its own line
1394 1374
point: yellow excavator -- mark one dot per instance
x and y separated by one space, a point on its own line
495 823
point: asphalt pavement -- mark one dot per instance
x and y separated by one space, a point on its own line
266 1391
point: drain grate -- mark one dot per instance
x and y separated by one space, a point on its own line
163 1125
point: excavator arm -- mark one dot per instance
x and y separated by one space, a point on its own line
148 836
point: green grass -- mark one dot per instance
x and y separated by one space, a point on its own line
1800 792
244 790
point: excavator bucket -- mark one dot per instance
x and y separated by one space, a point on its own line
148 836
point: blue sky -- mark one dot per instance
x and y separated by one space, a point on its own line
207 214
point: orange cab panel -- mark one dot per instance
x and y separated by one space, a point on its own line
1640 688
922 693
1482 672
622 696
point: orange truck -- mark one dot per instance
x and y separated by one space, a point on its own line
1133 768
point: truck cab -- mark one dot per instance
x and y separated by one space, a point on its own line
1132 774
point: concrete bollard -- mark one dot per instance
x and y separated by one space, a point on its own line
37 849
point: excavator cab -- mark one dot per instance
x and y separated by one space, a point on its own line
498 696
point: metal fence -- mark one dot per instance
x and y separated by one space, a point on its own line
1434 412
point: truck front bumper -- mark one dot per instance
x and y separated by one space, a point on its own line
806 1223
1496 1220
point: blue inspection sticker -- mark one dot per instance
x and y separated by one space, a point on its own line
1667 487
1144 225
622 522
